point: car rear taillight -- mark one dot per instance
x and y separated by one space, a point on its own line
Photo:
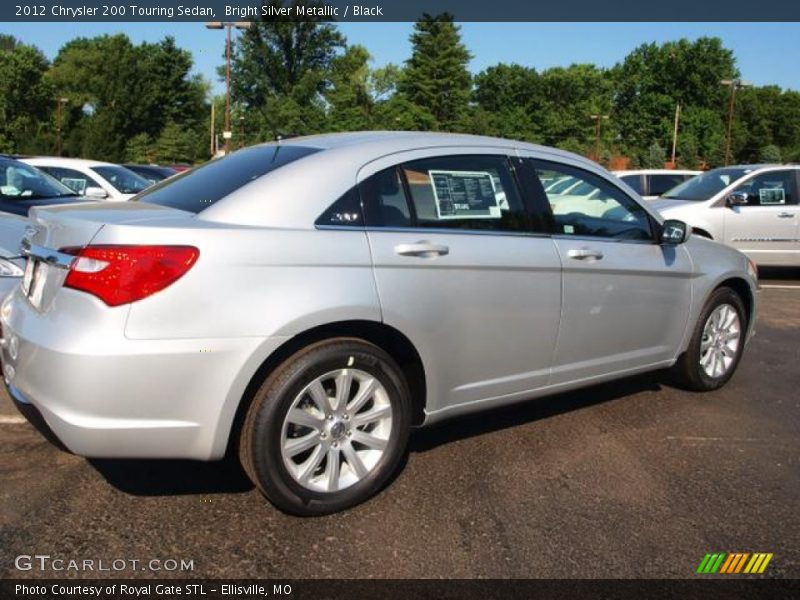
123 274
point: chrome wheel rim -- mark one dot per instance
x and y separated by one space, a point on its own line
720 342
336 430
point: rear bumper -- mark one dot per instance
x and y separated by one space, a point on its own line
106 396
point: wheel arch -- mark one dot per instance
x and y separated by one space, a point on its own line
742 288
389 339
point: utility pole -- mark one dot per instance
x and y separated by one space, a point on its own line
213 150
598 119
60 102
229 25
734 84
675 132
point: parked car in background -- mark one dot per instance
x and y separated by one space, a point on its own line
305 303
153 173
753 208
22 187
652 183
91 178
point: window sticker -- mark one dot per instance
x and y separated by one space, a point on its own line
464 195
772 195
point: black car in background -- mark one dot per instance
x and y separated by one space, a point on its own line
154 173
23 186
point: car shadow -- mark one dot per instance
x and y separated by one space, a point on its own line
173 477
526 411
186 477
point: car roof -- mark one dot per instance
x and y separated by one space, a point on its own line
657 172
398 141
343 158
58 161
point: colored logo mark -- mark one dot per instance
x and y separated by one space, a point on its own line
734 562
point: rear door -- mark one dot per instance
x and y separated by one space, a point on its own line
463 266
625 297
766 229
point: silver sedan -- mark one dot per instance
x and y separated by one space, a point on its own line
305 304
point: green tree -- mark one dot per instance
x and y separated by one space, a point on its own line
770 154
274 56
656 157
176 144
436 78
508 101
26 99
118 90
350 102
140 149
653 79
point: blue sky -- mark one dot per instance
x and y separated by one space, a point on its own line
766 53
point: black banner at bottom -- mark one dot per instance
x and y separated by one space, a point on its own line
406 589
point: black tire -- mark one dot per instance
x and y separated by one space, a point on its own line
687 370
261 436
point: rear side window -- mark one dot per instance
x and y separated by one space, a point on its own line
199 188
635 182
663 183
446 192
74 180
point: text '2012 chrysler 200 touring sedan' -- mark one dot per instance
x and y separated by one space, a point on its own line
306 303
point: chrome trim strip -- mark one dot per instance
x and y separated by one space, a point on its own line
46 255
766 240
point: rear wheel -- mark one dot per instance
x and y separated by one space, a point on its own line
328 428
716 345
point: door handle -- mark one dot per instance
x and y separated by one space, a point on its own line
422 249
785 215
585 254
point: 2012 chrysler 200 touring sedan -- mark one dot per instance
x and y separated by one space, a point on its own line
306 303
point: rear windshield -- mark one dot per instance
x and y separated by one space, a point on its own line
199 188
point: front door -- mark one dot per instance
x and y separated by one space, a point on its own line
625 297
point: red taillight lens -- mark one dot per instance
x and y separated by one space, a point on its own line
122 274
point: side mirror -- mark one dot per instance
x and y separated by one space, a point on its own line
737 199
95 192
674 232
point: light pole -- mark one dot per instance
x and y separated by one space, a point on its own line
227 25
599 119
734 84
241 131
60 102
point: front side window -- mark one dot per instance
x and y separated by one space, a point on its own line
593 207
74 180
774 188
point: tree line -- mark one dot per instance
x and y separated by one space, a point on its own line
110 99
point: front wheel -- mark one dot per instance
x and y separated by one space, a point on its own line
717 343
328 428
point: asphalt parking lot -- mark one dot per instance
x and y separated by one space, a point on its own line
629 479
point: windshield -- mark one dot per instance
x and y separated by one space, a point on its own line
201 187
123 180
23 182
706 185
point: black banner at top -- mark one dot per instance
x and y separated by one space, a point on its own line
399 10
